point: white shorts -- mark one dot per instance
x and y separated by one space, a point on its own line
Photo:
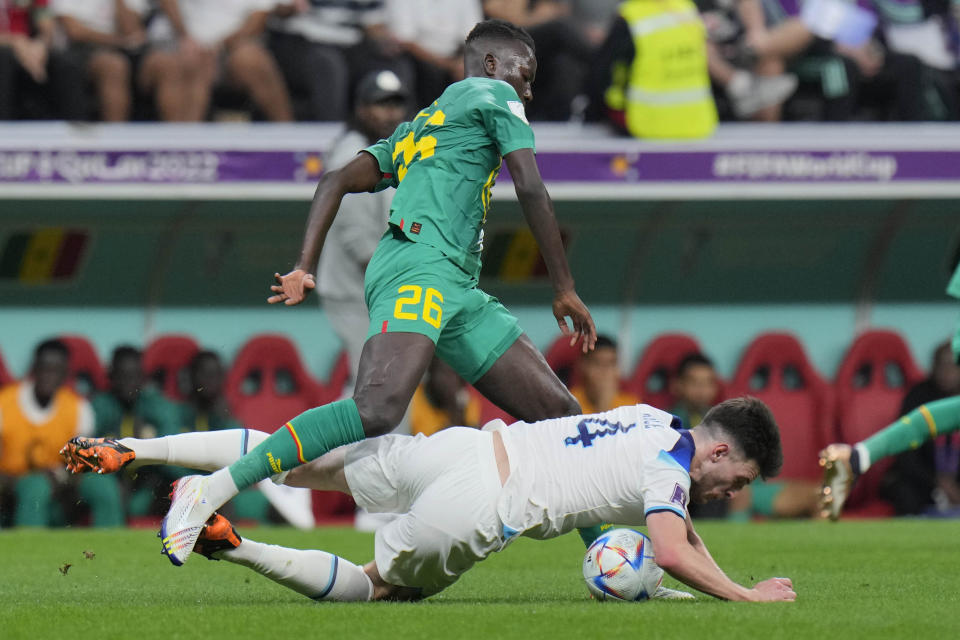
446 486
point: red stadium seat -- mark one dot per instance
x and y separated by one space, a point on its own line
775 369
165 361
87 375
268 385
651 376
875 374
490 411
332 389
562 358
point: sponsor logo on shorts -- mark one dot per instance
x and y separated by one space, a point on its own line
415 227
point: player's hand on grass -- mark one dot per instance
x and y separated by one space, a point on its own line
292 288
568 303
774 590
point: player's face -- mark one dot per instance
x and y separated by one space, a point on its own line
518 67
49 373
698 387
722 477
126 378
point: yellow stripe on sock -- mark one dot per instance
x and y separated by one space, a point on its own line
931 424
296 440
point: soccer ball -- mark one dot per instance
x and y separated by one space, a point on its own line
619 565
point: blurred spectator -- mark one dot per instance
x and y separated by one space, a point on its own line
927 30
758 90
599 388
563 54
34 79
928 479
108 41
593 18
381 104
37 417
696 388
324 47
652 72
206 409
838 50
432 33
130 409
219 41
442 400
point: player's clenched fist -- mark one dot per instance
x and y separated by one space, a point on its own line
775 590
292 288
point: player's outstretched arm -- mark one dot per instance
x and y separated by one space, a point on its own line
359 175
538 211
678 557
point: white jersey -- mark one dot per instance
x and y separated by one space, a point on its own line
614 467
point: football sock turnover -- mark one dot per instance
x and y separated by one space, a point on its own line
909 432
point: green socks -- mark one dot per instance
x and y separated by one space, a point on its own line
589 534
909 432
308 436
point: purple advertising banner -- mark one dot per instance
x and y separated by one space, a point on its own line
199 166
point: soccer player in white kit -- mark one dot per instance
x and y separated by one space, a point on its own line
464 494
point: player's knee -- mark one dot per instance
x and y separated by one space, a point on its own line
378 416
562 404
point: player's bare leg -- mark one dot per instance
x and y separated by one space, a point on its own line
391 367
837 479
521 383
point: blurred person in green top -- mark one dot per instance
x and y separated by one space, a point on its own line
131 408
206 409
422 282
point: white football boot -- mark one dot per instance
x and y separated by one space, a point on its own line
663 593
188 513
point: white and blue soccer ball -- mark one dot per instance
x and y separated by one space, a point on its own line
619 565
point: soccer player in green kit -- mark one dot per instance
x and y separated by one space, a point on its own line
843 463
421 284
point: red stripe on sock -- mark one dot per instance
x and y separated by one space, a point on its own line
296 441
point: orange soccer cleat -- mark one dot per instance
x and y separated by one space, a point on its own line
103 455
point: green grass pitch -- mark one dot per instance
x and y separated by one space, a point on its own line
859 579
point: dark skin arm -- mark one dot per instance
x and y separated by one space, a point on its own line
359 175
538 211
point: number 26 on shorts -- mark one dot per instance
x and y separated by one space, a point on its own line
432 311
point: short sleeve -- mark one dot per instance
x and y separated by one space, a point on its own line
667 479
381 152
505 119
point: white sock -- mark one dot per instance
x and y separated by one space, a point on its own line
204 450
220 488
864 456
316 574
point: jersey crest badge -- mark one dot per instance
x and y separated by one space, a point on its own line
517 108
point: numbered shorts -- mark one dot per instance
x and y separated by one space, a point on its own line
412 287
447 488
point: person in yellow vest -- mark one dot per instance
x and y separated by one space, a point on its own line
442 400
599 386
37 416
656 58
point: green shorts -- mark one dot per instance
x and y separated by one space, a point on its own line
411 287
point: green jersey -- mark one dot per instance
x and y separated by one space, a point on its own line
953 289
152 416
444 162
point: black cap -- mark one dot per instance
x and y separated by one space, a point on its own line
378 86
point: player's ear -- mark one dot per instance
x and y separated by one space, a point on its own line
720 450
489 64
